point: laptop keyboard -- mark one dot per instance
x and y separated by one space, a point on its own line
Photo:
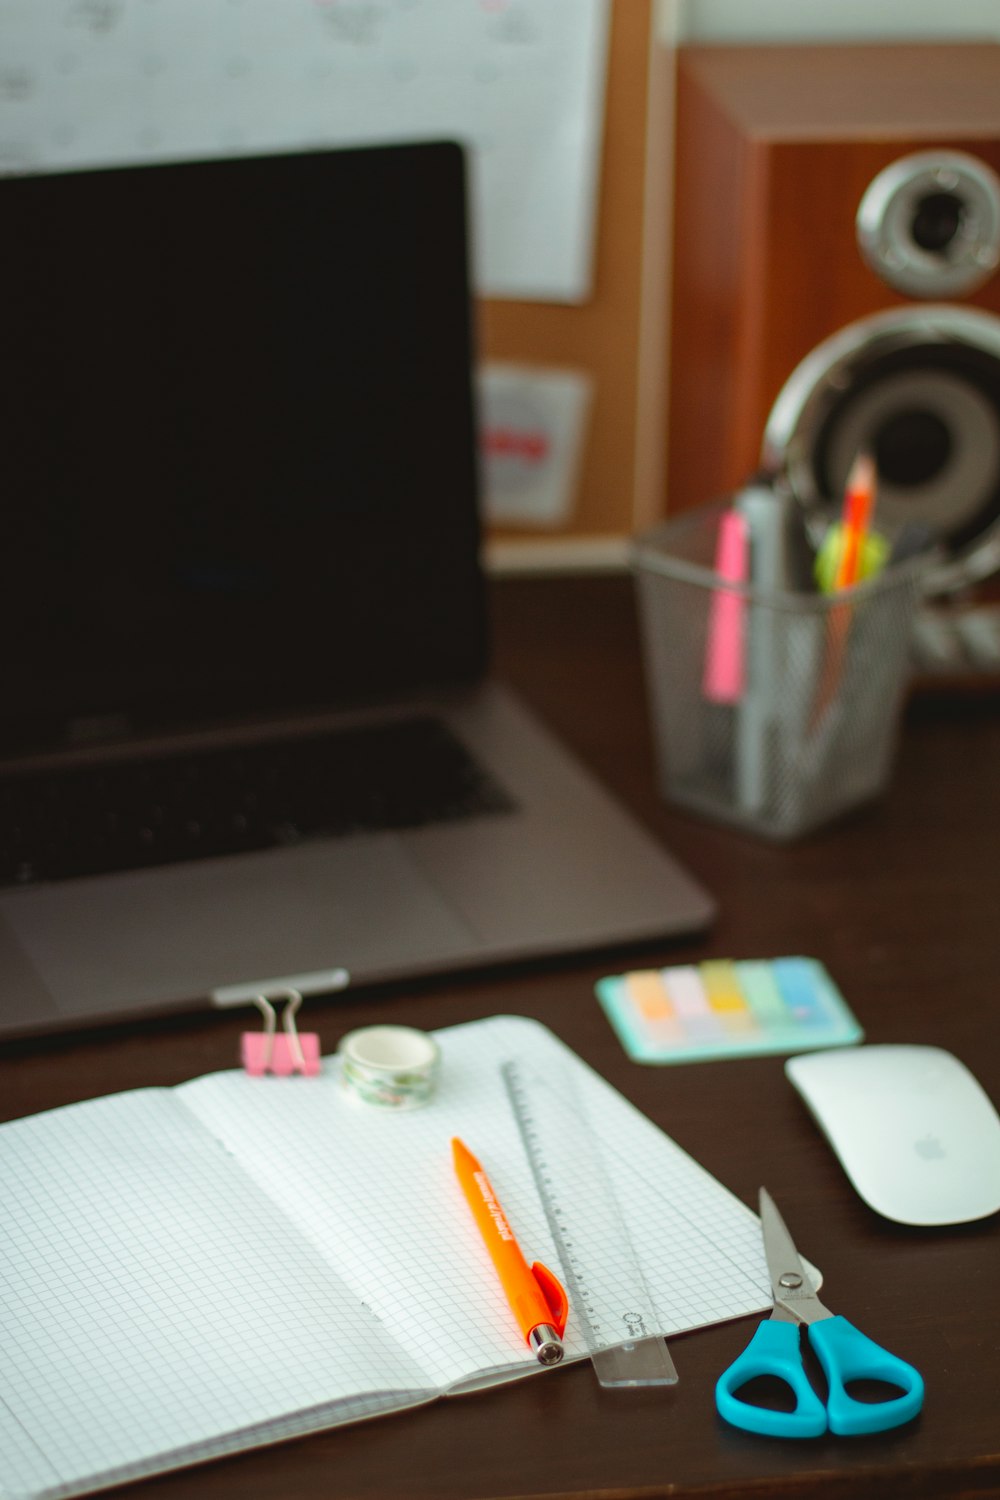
129 815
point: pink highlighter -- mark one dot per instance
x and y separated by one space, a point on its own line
724 678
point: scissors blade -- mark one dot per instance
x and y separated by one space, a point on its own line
791 1286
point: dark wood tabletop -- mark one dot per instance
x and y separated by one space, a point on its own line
900 902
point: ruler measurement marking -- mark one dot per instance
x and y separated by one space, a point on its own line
641 1356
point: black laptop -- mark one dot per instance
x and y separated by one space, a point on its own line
248 738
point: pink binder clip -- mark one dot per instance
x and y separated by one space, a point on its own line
266 1052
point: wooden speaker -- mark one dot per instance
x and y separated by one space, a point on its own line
837 219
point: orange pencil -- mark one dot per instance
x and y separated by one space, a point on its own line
856 514
536 1297
859 502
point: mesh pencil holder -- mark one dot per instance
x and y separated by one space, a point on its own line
808 726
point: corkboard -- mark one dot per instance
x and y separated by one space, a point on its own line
602 336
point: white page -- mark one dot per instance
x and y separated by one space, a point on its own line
152 1299
376 1192
520 82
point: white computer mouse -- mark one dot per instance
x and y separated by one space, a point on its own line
913 1129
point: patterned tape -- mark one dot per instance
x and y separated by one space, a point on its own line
394 1067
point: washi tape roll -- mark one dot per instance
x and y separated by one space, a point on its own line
395 1067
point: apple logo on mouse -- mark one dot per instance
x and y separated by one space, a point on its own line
930 1148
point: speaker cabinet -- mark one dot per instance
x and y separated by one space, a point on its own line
837 217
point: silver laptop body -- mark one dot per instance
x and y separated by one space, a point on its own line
242 517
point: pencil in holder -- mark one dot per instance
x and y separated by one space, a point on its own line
772 709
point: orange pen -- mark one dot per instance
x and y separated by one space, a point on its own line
536 1297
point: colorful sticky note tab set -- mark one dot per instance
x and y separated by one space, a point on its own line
727 1008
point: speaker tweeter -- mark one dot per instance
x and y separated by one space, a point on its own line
929 224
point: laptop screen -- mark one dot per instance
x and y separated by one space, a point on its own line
238 436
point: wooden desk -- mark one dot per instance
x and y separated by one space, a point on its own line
900 903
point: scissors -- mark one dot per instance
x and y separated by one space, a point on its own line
844 1353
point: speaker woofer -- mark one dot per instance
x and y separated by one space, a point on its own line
919 389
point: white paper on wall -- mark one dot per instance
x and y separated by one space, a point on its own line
520 82
533 424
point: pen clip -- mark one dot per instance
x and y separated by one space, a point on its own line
554 1293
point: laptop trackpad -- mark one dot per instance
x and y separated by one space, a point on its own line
152 937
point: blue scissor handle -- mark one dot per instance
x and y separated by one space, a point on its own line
846 1354
773 1350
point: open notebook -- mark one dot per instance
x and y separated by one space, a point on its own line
194 1271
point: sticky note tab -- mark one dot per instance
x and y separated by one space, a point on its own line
803 994
687 991
648 994
650 999
725 996
722 987
756 977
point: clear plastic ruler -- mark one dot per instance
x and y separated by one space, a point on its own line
605 1282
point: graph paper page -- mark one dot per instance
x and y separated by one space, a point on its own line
153 1300
375 1191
